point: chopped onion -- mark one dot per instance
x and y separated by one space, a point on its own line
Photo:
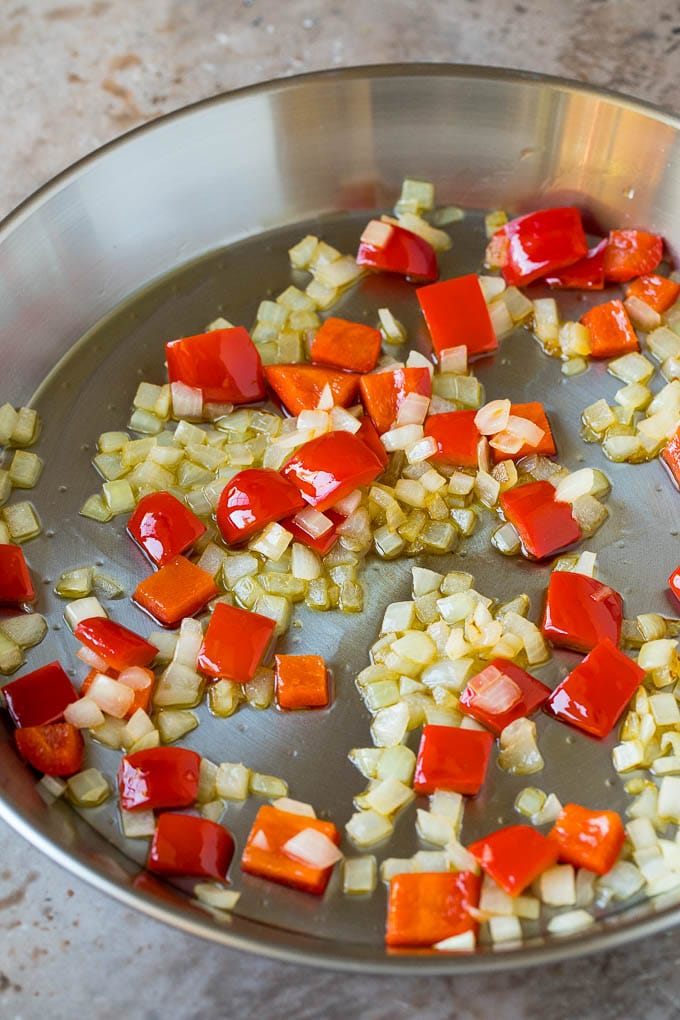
366 828
87 788
313 848
570 922
519 752
111 696
314 523
135 677
464 942
187 401
377 233
413 409
83 609
495 692
493 417
294 807
557 886
84 714
359 875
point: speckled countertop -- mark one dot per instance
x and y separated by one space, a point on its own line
75 75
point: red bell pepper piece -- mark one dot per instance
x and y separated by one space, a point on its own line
16 586
457 438
588 839
533 694
351 346
301 681
39 697
541 242
224 364
321 543
533 412
163 527
178 589
235 643
611 331
253 498
452 759
544 524
595 694
674 583
369 435
55 748
115 645
425 907
580 611
393 249
263 854
159 777
383 393
631 253
671 457
456 314
513 857
187 845
656 291
328 468
299 387
586 274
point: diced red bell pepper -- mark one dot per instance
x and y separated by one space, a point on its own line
328 468
611 331
299 387
533 695
235 643
544 524
253 498
39 697
159 777
369 435
588 839
674 583
351 346
513 857
656 291
595 694
115 645
457 438
383 393
533 412
263 854
187 845
671 457
580 611
456 314
163 527
393 249
542 242
16 586
631 253
224 364
321 543
178 589
55 748
425 907
586 274
452 759
301 681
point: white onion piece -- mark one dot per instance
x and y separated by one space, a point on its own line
418 360
84 714
135 677
294 807
519 752
341 420
112 697
401 437
326 401
571 921
313 522
377 234
260 841
493 417
83 609
494 691
506 442
349 504
528 431
464 942
413 409
454 360
187 401
91 659
313 848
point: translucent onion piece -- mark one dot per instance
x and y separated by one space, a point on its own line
493 417
495 692
313 848
84 714
112 697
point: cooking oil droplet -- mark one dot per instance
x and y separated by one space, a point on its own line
570 739
63 488
50 533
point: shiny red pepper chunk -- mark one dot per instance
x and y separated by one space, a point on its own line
159 777
393 249
544 524
383 393
580 611
457 438
16 586
426 907
456 314
117 646
352 346
533 695
264 854
299 387
611 331
253 498
163 527
235 643
56 749
631 253
39 697
224 364
327 469
542 242
452 759
588 839
586 274
187 845
179 588
674 583
656 291
595 694
369 435
513 857
670 456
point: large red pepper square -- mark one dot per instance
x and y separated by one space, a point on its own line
450 758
